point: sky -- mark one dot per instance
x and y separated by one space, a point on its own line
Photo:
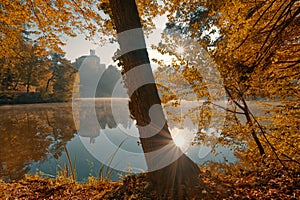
78 46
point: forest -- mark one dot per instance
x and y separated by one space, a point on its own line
49 78
243 53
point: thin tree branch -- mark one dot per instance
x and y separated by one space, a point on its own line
268 142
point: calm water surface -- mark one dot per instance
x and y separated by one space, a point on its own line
35 138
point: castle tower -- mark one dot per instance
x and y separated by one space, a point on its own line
90 70
92 52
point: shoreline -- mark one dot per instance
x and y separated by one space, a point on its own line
254 184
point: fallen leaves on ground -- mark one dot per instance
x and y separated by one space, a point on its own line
35 187
264 184
267 183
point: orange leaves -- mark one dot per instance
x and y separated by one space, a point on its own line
47 21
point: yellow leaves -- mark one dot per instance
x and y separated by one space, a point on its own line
50 18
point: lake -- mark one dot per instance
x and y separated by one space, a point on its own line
98 137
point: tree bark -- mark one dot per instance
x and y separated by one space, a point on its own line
48 82
182 172
253 132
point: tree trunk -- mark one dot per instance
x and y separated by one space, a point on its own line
48 83
180 172
28 81
246 111
253 132
27 85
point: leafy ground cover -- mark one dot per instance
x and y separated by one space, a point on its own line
257 184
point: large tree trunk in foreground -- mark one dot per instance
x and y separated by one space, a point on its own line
168 179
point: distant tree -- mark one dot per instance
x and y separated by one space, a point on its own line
26 69
33 69
7 80
62 78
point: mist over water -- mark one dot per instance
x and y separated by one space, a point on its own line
34 137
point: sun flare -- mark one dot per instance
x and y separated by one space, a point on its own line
180 50
182 138
179 141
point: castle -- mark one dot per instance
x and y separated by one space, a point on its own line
90 70
96 80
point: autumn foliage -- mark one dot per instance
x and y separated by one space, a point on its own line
255 47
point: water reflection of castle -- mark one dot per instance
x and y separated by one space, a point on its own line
98 81
103 114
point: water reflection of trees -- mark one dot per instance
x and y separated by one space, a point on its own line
113 112
30 133
103 110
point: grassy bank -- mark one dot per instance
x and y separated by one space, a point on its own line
259 184
36 187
